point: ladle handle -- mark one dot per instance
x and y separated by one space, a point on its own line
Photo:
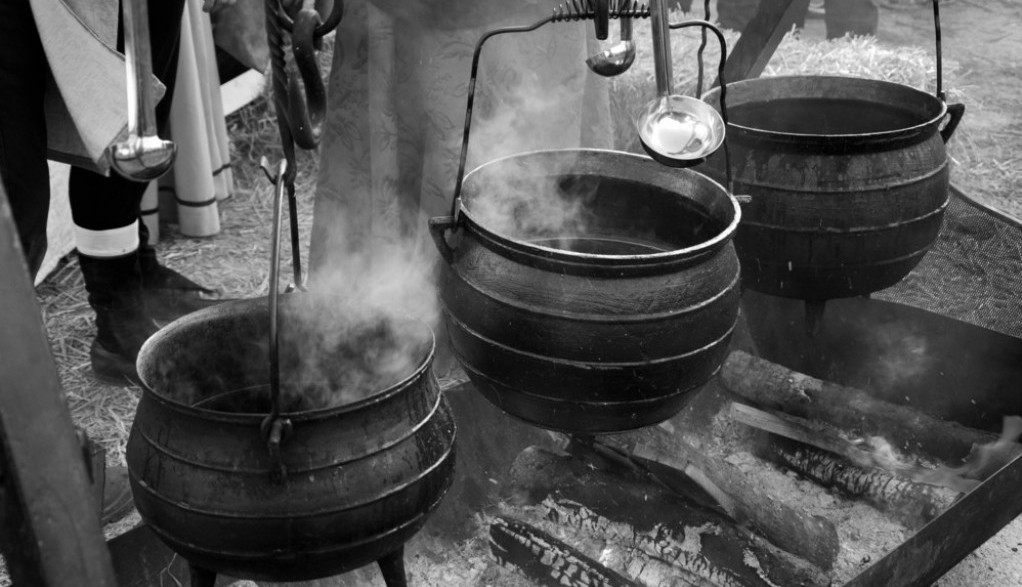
601 19
661 37
138 68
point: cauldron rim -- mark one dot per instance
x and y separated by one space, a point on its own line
733 88
241 307
723 236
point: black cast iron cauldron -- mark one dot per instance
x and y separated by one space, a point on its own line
289 440
359 478
606 321
848 178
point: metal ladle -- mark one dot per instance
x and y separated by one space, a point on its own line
617 58
675 130
143 156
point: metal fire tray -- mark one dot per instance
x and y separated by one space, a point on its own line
975 382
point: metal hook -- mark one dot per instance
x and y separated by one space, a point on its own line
303 109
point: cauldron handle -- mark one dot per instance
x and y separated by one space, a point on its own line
438 227
275 428
955 112
723 85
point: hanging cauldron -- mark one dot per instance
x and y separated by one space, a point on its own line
848 178
322 474
589 291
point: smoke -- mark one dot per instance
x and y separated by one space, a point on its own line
984 461
535 93
358 331
365 327
531 204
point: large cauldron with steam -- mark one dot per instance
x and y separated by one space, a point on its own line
289 440
589 291
365 455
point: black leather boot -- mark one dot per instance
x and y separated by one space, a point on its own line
122 323
168 294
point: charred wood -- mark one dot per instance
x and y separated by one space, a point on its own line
912 503
652 558
546 559
776 387
647 523
808 536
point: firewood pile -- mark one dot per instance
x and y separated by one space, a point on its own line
768 477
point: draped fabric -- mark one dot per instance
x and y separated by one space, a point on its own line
85 103
201 175
396 112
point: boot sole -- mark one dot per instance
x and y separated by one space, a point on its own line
112 368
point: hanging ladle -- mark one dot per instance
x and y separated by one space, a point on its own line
617 58
143 155
676 130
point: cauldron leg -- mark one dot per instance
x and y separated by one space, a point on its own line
814 317
392 567
201 577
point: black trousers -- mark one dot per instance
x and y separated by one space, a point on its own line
97 202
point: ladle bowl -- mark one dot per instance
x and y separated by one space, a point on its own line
142 158
614 60
680 131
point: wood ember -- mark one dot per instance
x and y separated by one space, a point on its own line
653 532
546 559
865 533
776 387
912 503
808 536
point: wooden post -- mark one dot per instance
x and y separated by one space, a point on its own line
49 522
761 37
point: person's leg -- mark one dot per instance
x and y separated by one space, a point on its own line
26 177
105 211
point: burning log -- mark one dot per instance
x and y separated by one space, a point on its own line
810 537
547 560
647 531
653 559
776 387
913 503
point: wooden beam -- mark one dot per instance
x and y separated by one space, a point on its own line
50 532
759 40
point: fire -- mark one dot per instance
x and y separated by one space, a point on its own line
984 461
